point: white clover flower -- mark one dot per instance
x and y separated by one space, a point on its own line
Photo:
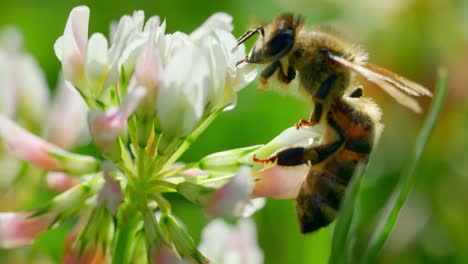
150 94
92 65
23 87
226 244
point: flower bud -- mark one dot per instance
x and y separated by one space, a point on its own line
181 239
21 229
229 161
41 153
60 182
106 126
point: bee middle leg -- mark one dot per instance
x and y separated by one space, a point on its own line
319 98
309 155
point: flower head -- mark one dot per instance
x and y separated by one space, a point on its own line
148 96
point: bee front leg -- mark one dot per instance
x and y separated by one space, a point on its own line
267 73
308 155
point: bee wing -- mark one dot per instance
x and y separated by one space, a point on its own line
393 87
406 85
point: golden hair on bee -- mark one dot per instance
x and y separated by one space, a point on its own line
326 65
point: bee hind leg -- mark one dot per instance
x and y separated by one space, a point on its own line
308 155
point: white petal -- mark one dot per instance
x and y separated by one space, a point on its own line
218 71
291 137
181 99
220 21
77 26
224 243
58 48
172 44
253 206
96 64
32 88
8 91
12 40
71 46
66 122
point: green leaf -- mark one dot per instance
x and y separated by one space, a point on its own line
392 209
342 234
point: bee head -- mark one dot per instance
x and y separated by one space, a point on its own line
275 40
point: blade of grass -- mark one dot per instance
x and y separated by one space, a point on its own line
405 184
341 233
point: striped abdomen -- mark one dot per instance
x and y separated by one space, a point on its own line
322 191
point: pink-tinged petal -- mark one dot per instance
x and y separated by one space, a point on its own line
90 255
279 182
20 229
194 172
41 153
148 70
60 182
224 243
106 126
111 194
232 198
66 123
164 255
28 146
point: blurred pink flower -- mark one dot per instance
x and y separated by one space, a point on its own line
60 182
165 255
20 229
110 195
90 255
279 182
223 243
66 123
41 153
28 146
232 198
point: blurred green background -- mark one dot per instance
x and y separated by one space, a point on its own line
410 37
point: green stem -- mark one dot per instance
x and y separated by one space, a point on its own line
163 204
173 171
127 228
404 186
191 138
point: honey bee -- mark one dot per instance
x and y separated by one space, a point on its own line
326 65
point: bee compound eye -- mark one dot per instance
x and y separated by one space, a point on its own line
281 43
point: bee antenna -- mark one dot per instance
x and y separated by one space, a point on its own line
247 35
